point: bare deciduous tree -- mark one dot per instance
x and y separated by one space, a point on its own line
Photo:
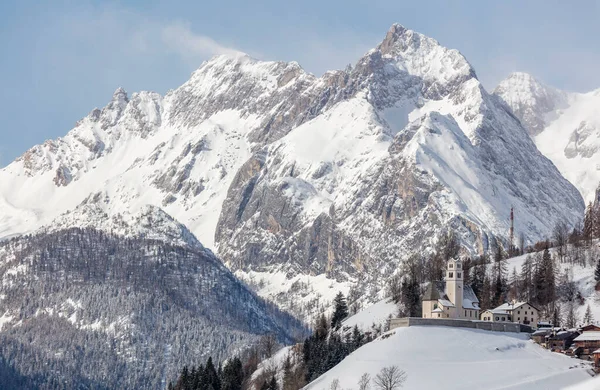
335 385
390 378
268 343
364 382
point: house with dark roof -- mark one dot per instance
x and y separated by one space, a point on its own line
562 340
450 298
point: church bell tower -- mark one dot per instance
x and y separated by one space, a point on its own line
454 286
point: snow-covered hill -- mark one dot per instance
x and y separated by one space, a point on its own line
564 125
457 358
284 173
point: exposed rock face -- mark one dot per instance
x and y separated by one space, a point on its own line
63 176
581 142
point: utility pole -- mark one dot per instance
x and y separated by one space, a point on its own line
512 230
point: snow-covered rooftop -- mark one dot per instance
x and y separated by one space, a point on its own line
588 336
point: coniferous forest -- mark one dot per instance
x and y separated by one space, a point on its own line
134 309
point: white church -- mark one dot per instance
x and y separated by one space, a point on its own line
450 298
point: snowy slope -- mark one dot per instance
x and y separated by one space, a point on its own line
592 384
455 358
565 127
373 315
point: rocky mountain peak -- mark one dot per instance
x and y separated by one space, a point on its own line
422 56
530 100
120 95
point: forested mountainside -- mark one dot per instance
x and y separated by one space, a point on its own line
83 308
565 126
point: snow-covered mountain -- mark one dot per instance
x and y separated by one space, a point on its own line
564 125
281 172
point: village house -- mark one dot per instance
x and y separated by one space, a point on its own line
518 312
449 298
561 341
590 328
596 356
540 336
586 343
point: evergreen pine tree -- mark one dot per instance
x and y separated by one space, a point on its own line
287 374
358 338
571 317
526 279
340 311
556 316
588 318
486 294
544 283
411 297
273 384
184 379
514 291
210 377
549 278
596 219
498 291
233 375
588 224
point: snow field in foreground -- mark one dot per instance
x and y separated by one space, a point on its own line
454 358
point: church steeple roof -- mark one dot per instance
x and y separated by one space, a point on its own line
432 293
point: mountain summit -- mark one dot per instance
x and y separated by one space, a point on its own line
565 126
335 178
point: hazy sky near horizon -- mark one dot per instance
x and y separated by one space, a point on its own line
60 59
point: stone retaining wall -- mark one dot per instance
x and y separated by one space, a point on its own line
484 325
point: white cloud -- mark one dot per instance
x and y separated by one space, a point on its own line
181 39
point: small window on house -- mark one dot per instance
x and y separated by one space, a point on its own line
497 318
465 313
451 265
458 275
518 318
450 274
519 312
458 265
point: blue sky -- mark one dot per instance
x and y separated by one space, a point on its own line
60 59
